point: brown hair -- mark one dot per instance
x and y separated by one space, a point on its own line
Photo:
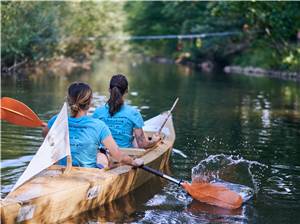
79 97
118 87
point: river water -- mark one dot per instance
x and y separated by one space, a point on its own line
245 130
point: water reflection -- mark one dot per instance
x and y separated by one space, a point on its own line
196 207
124 209
257 119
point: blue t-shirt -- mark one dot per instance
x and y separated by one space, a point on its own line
86 134
121 124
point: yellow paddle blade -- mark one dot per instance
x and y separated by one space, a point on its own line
214 194
16 112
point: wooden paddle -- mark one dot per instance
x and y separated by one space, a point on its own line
168 115
209 193
16 112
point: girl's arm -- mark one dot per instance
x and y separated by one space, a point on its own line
118 155
45 130
142 141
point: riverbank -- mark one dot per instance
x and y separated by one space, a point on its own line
254 71
61 66
205 65
209 66
64 66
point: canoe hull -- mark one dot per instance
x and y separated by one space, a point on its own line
52 196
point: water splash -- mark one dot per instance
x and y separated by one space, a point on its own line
236 169
245 192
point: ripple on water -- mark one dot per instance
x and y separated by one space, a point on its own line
134 93
195 213
9 163
9 177
274 185
144 107
174 205
159 216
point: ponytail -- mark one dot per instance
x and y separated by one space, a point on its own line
115 101
118 87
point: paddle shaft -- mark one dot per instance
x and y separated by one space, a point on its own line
169 114
160 174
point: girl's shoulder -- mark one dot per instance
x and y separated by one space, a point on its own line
101 111
133 114
95 126
93 121
52 120
130 109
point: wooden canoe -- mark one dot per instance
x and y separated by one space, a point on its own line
52 196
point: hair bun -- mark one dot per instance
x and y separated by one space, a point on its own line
75 107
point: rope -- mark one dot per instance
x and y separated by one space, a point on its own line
171 36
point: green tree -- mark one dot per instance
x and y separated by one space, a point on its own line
26 29
33 30
267 30
84 23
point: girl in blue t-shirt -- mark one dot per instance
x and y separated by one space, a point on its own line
124 121
87 133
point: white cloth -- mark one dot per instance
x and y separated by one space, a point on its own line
55 147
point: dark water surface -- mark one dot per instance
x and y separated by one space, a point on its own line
244 130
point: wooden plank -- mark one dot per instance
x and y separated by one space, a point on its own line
133 151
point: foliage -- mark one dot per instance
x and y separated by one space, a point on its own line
24 28
83 21
270 26
265 32
34 30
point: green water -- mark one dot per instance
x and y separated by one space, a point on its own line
244 130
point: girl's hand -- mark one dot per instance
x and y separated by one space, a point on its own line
137 162
156 137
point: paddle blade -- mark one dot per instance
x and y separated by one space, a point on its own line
16 112
214 194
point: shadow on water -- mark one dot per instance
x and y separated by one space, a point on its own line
195 207
124 209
